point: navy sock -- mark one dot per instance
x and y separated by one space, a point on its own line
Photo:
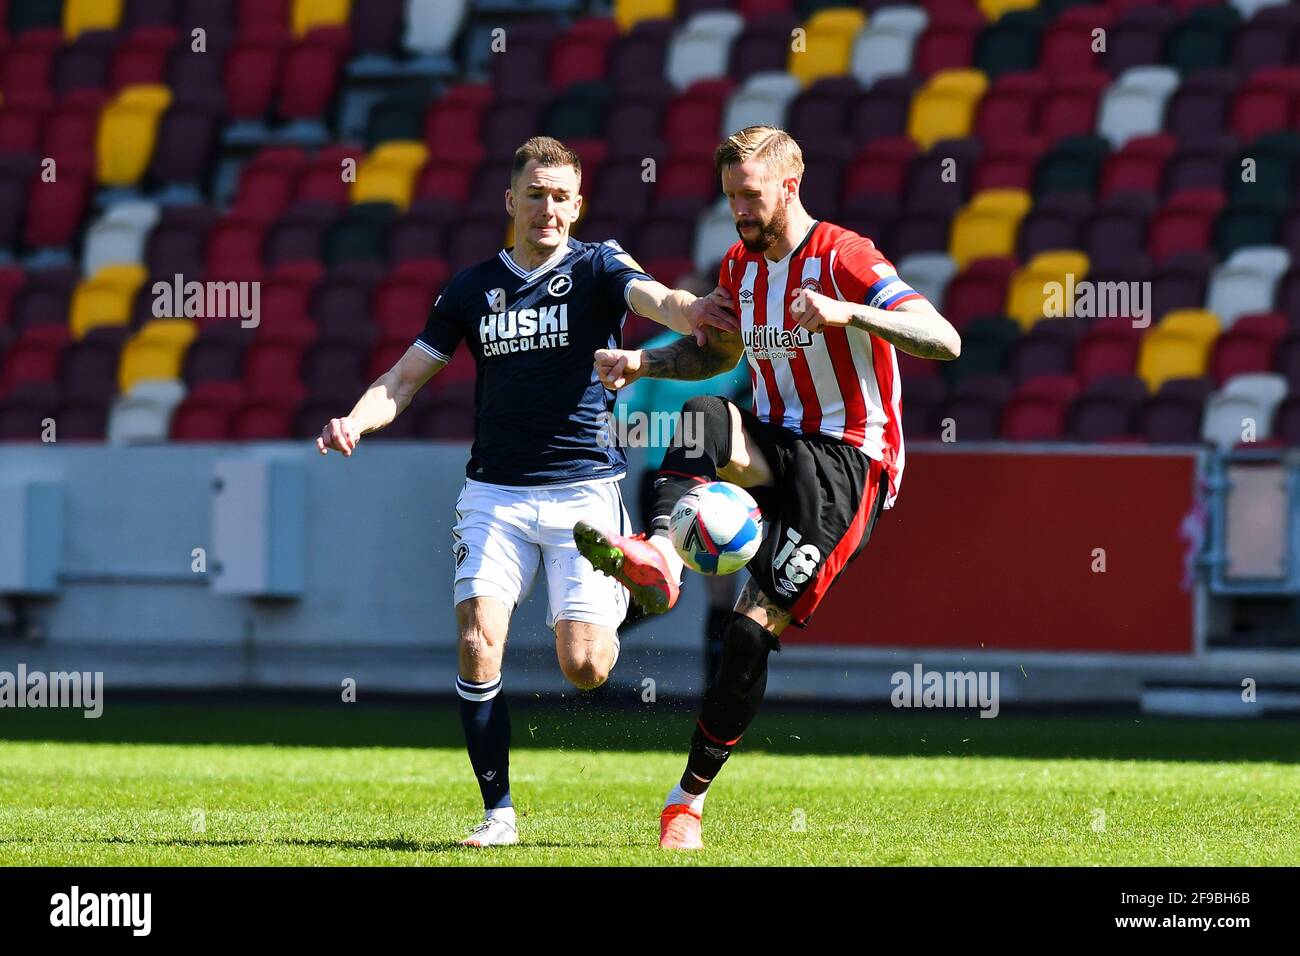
486 719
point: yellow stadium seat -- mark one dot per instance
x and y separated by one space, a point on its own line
1200 324
945 107
828 44
388 174
106 298
127 131
1171 354
628 13
993 9
986 226
156 351
1030 291
308 14
82 15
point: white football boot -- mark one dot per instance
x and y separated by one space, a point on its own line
493 831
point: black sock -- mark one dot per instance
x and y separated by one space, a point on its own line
486 720
731 703
699 448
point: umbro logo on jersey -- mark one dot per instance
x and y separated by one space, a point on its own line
490 776
496 300
746 294
559 285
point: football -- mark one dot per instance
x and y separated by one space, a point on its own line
716 528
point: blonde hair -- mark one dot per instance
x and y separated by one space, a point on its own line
771 146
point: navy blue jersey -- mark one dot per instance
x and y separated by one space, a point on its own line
539 407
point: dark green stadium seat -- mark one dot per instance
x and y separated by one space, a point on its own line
1277 157
985 344
1072 165
362 233
1010 44
1202 39
1253 223
26 14
579 113
396 117
1054 8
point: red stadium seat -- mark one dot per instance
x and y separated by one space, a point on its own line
1268 102
948 43
271 364
582 54
695 115
1248 346
263 420
142 58
1010 107
22 120
71 129
1107 349
980 290
55 210
1067 44
1070 107
252 73
310 72
28 68
1138 167
1184 223
881 169
1037 410
235 249
263 19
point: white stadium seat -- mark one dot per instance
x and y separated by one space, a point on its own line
884 47
715 233
1246 282
1134 105
432 25
144 414
928 273
762 101
699 51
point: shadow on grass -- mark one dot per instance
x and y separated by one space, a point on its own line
590 724
390 845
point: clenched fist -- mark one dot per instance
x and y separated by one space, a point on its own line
341 435
618 368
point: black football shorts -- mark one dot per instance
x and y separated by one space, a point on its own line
818 514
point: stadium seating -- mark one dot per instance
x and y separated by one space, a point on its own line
985 145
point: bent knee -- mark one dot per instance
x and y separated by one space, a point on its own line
585 673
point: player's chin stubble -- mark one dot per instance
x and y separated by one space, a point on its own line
768 232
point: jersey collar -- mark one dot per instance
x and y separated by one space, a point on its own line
541 270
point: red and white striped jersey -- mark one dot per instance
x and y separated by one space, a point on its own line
841 382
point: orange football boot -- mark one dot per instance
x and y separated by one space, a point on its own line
631 560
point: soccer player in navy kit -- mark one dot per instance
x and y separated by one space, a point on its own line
542 460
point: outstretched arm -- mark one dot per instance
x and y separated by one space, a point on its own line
382 402
683 360
684 313
916 327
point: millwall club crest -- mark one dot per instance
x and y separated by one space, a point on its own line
559 285
496 300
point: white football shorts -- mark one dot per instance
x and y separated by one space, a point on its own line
504 534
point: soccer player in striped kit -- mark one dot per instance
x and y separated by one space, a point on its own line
820 312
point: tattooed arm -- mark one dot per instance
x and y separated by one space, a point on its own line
683 360
916 327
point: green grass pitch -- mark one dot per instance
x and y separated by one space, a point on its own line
196 784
